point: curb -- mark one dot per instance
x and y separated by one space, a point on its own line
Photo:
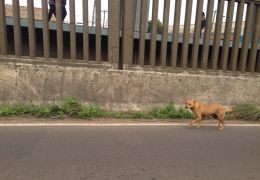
115 124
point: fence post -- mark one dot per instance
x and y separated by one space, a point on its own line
59 30
236 41
255 40
196 38
85 32
165 32
217 34
186 35
153 33
31 28
17 28
205 48
73 46
227 35
258 62
98 30
246 36
142 32
113 30
46 33
3 35
128 28
175 33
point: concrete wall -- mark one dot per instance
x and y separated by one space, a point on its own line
24 80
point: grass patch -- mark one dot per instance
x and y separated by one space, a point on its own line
230 116
171 112
247 111
6 110
72 107
140 115
91 112
48 111
16 110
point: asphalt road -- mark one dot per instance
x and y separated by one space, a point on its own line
129 153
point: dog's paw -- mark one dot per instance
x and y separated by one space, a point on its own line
221 128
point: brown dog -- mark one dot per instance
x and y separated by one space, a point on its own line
200 110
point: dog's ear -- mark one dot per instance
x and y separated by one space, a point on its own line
195 103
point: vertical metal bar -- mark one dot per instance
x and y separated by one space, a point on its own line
142 31
246 36
110 20
217 35
114 30
98 30
186 35
31 28
258 63
85 32
17 28
3 35
59 29
73 55
128 28
236 39
165 32
205 48
255 40
46 33
175 33
227 35
153 33
196 38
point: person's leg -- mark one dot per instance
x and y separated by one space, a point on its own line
202 27
64 13
51 12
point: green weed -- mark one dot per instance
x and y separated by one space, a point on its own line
91 112
72 107
171 111
247 111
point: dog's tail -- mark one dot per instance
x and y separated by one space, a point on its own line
229 110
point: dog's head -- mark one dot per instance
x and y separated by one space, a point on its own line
190 104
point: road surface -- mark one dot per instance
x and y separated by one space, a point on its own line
129 153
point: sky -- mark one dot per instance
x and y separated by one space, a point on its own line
104 6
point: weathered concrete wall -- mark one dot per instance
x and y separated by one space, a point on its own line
24 80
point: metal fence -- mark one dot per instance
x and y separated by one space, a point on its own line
121 44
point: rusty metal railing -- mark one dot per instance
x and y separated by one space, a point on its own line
185 54
172 49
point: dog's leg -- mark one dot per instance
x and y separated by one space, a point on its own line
198 122
190 124
195 121
221 120
222 124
